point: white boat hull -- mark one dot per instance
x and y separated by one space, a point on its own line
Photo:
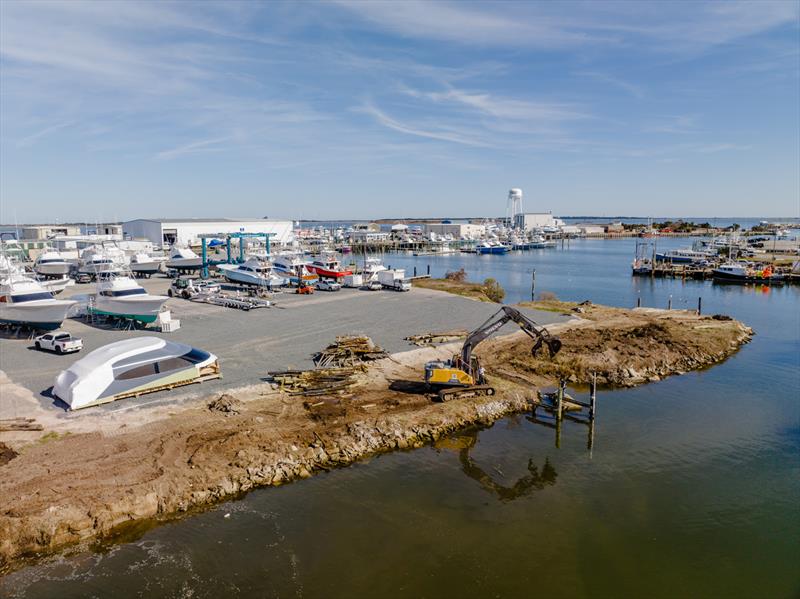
38 314
52 269
184 263
56 286
144 308
235 276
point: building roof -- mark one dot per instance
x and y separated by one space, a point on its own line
208 220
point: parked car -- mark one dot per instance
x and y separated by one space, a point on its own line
59 342
187 288
373 285
328 286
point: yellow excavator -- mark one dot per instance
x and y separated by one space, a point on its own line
462 376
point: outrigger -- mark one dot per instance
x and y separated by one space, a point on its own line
463 375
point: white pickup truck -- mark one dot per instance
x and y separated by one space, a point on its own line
59 342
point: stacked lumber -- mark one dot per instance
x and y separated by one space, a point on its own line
434 338
323 381
19 424
348 351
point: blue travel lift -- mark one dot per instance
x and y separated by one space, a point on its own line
228 237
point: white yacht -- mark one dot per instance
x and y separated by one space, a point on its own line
183 258
99 259
251 272
24 301
51 264
56 286
291 267
145 264
121 296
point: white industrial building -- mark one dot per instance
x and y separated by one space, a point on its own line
457 230
187 231
536 220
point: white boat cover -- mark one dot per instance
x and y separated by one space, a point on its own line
82 383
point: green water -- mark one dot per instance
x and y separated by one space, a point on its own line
691 488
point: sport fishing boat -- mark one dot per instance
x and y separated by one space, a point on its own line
51 264
292 267
492 247
540 242
131 367
683 256
251 272
98 259
183 258
328 267
56 286
23 301
145 264
122 297
737 272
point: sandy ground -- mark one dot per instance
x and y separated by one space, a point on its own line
77 484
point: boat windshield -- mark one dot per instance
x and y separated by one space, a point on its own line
30 297
124 292
49 260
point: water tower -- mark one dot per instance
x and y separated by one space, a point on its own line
514 205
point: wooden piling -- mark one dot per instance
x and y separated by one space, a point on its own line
639 301
533 284
699 306
593 396
669 303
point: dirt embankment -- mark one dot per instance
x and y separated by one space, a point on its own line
78 487
456 287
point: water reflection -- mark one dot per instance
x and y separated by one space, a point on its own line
535 479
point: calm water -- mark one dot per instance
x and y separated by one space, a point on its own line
692 486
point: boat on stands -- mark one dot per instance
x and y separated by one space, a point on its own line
293 268
183 259
131 367
99 259
743 274
56 286
252 272
51 264
121 296
25 302
328 267
143 264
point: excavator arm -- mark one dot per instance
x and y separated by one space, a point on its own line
540 335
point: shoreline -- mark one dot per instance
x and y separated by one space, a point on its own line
193 456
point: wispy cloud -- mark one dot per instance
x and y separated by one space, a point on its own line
637 91
437 134
679 124
35 137
204 145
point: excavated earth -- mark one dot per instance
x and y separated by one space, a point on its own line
70 490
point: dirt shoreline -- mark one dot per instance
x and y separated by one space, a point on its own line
73 489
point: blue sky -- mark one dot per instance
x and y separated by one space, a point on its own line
114 110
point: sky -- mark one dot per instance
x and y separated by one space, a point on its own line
342 110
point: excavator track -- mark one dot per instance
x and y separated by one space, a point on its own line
458 392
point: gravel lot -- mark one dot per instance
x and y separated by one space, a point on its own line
249 344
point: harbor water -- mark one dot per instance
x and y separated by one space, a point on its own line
691 487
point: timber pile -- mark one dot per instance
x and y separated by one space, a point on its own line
19 424
323 381
434 338
349 351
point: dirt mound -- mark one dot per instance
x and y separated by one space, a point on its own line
6 454
225 404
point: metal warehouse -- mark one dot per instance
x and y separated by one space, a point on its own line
186 231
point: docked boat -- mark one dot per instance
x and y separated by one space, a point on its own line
24 301
132 367
183 258
492 247
328 267
99 259
290 266
251 272
122 297
683 256
737 272
538 242
145 265
51 264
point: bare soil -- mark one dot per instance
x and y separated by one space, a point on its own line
72 489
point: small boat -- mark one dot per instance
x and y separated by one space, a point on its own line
24 301
736 272
293 268
683 256
251 272
328 267
132 367
51 264
183 258
492 247
540 242
123 297
144 264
